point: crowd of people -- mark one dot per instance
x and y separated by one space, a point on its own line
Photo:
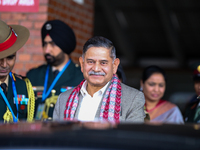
93 91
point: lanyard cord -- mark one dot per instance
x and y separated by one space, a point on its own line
15 119
45 94
14 91
7 103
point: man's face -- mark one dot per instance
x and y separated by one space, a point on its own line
197 87
6 66
52 53
98 67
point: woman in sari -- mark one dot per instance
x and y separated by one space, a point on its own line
153 84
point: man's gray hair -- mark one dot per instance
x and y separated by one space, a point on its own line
99 41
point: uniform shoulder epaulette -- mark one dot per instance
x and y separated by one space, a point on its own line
19 76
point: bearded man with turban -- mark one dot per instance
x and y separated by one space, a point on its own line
60 73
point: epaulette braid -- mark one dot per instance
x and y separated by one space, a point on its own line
31 102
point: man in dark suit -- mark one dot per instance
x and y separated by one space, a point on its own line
192 112
101 96
60 73
15 102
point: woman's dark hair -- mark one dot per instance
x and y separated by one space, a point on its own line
148 71
121 74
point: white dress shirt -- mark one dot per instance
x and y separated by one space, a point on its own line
89 105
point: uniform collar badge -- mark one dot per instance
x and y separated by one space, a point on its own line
48 26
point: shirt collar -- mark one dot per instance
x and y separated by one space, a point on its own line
54 68
84 91
6 81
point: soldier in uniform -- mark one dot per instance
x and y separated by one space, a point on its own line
192 111
17 101
60 73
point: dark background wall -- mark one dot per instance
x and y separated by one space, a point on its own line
154 32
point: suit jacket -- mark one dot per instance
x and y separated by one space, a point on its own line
190 112
132 105
21 90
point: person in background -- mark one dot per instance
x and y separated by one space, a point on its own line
60 73
101 96
153 85
120 74
192 111
122 77
17 101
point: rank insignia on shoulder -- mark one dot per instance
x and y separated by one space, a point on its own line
63 89
13 77
21 99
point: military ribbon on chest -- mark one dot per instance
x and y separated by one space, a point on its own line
21 99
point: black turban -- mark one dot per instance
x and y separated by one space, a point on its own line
61 34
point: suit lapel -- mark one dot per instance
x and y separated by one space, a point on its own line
10 91
197 119
66 76
50 78
192 111
9 96
79 105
